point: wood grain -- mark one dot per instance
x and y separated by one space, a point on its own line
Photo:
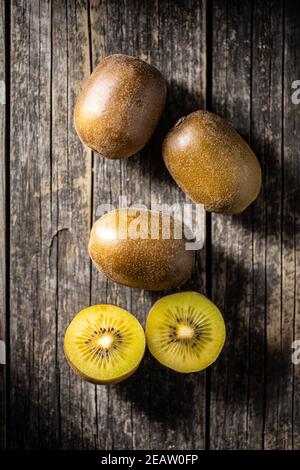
254 254
267 134
231 261
33 379
71 188
242 55
3 227
289 412
266 137
150 410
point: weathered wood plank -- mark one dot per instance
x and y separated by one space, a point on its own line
231 236
33 378
33 390
291 226
267 138
3 228
155 408
50 209
71 188
267 135
254 254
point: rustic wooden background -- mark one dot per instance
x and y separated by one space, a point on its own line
237 58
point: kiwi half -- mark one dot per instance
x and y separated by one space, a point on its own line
104 344
185 331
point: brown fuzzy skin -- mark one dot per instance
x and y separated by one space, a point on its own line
153 264
212 163
120 106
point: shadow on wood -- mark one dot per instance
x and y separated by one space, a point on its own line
172 393
180 102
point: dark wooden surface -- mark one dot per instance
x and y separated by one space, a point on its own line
3 279
238 59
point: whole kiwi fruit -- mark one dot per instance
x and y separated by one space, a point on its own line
134 247
212 163
119 106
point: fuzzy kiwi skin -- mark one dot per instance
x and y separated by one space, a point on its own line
212 163
120 106
152 264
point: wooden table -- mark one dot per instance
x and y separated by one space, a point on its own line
236 58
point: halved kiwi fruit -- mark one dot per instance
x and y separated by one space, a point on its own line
185 331
104 344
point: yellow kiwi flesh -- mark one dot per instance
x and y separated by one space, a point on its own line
104 344
212 163
185 331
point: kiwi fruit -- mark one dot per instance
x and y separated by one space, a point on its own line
212 163
185 331
104 344
144 262
119 106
